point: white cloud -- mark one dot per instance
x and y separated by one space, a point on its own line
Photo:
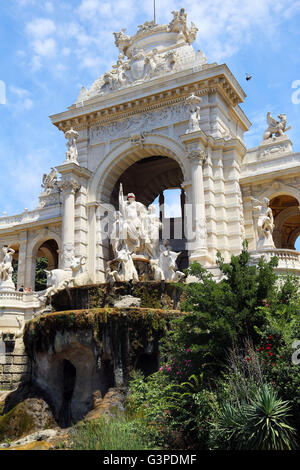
88 8
45 47
40 27
20 92
21 99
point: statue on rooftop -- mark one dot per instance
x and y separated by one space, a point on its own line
49 180
178 23
278 128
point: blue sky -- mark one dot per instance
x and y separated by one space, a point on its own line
49 49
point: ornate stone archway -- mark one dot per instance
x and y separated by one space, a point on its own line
126 154
107 175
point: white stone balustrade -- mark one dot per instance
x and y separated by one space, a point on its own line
13 304
288 260
30 216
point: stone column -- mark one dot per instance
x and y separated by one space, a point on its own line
92 240
198 245
182 204
22 262
69 187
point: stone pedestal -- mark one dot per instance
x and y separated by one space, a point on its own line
7 285
274 147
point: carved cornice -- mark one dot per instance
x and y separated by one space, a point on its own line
88 115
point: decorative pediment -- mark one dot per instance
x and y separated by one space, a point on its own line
155 50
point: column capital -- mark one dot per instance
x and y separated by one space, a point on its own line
69 185
196 156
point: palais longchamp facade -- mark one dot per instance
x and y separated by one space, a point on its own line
162 118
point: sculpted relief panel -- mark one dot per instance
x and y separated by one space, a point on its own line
142 122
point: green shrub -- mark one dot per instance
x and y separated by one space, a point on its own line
117 433
261 424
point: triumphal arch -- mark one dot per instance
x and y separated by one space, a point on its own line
163 117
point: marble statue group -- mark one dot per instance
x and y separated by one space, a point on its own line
134 237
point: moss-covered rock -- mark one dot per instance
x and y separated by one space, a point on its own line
76 353
161 295
27 417
142 322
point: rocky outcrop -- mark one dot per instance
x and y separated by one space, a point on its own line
74 354
112 403
27 417
158 295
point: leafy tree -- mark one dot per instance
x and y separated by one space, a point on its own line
220 314
40 275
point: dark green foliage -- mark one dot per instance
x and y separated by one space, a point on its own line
221 313
117 433
174 416
261 424
40 275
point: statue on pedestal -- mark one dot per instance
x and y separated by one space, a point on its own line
265 223
194 108
72 153
6 269
278 128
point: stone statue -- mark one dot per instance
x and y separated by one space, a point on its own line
148 25
178 23
50 180
278 128
153 226
194 109
134 237
265 223
167 262
6 269
72 153
121 40
191 33
133 214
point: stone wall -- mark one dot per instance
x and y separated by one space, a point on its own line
14 366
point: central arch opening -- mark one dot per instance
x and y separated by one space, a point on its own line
151 179
287 221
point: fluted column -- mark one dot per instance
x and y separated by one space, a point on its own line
22 261
69 188
92 241
197 245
